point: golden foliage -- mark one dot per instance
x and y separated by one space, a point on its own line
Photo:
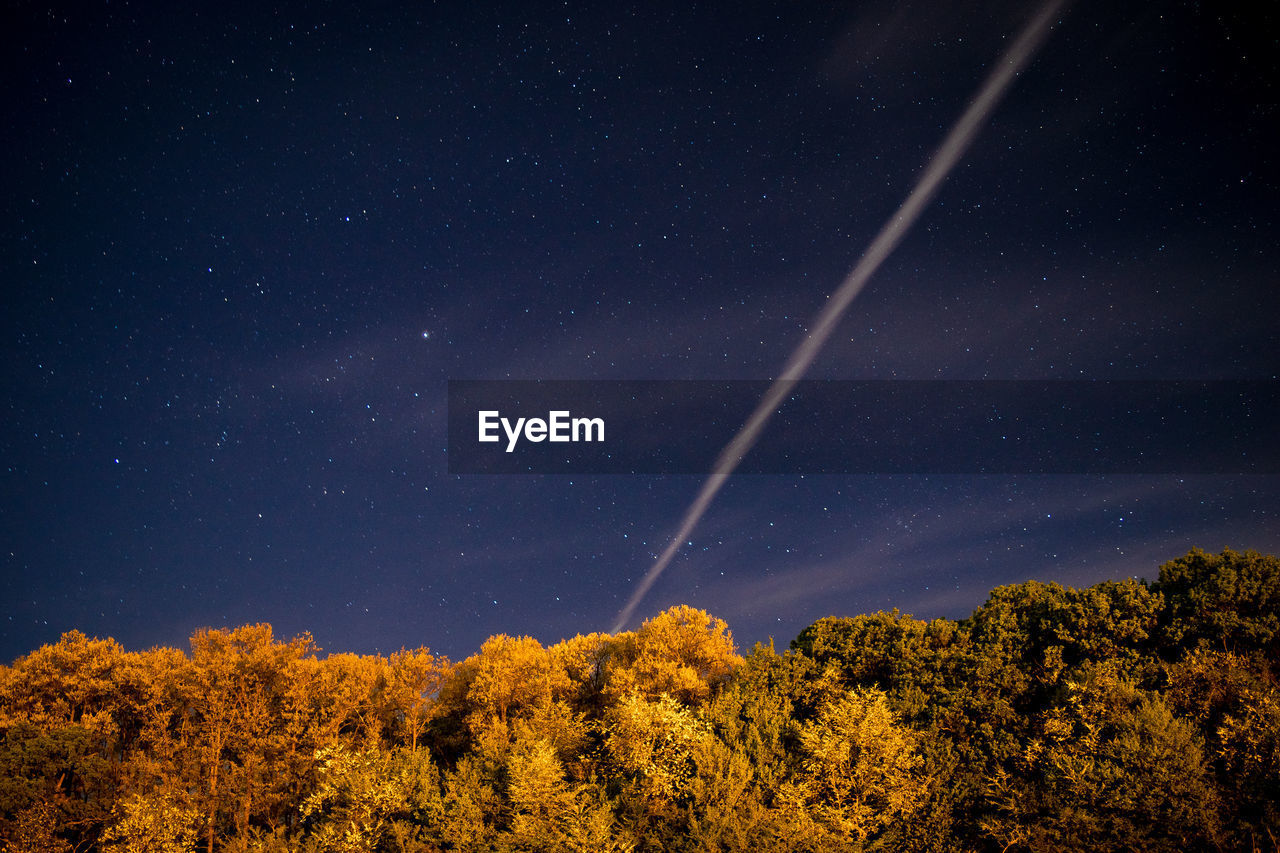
1118 717
152 824
862 767
653 740
682 652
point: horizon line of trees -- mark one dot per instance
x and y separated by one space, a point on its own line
1124 716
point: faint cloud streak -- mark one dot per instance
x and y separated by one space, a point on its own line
944 160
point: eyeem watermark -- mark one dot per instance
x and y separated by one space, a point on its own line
558 427
867 427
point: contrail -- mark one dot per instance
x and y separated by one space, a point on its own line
943 161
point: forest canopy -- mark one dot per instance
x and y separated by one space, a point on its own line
1127 715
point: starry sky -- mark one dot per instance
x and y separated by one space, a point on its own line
245 246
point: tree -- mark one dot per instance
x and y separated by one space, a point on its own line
364 798
1113 768
1121 716
912 661
415 678
1229 601
474 805
862 768
653 741
152 824
739 769
548 813
1249 752
1233 700
69 682
512 675
237 688
34 830
682 652
58 738
585 659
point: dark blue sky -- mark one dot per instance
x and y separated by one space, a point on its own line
245 246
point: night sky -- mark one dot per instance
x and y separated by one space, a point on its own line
246 245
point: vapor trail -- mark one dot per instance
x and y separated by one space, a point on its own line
943 161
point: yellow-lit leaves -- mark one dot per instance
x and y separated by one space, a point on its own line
155 823
653 740
862 767
512 675
682 652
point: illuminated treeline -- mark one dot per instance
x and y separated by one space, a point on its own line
1123 716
